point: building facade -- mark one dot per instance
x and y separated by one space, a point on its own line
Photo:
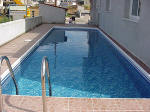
126 21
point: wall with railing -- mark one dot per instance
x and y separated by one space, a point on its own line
12 29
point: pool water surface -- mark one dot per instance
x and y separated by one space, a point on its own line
82 64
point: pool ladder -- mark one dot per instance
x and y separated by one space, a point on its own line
44 69
2 58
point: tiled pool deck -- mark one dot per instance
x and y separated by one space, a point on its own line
18 46
34 104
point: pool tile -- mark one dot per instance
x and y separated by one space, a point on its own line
74 104
86 111
129 105
83 104
57 104
145 104
11 103
31 104
104 104
86 104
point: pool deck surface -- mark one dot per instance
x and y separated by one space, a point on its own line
15 48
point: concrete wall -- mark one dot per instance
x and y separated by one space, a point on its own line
135 36
11 30
51 14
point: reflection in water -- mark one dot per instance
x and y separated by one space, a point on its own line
55 38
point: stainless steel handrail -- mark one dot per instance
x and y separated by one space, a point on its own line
44 69
2 58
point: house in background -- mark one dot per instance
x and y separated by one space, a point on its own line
61 3
126 21
67 3
52 14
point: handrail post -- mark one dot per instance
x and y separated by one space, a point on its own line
2 58
44 69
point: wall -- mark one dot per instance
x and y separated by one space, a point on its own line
51 14
11 30
134 36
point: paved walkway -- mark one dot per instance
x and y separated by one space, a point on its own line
34 104
18 46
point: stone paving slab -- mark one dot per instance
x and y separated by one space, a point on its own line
54 104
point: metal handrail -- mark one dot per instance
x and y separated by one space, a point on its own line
44 69
2 58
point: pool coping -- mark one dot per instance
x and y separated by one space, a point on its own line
27 53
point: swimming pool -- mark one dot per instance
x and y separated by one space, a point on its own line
83 63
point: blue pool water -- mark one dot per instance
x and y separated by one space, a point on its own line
82 64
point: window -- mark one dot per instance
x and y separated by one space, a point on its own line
135 7
108 5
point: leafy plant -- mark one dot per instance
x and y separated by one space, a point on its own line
4 19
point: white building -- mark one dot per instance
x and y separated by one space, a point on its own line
126 21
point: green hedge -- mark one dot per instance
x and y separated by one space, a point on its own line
4 19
